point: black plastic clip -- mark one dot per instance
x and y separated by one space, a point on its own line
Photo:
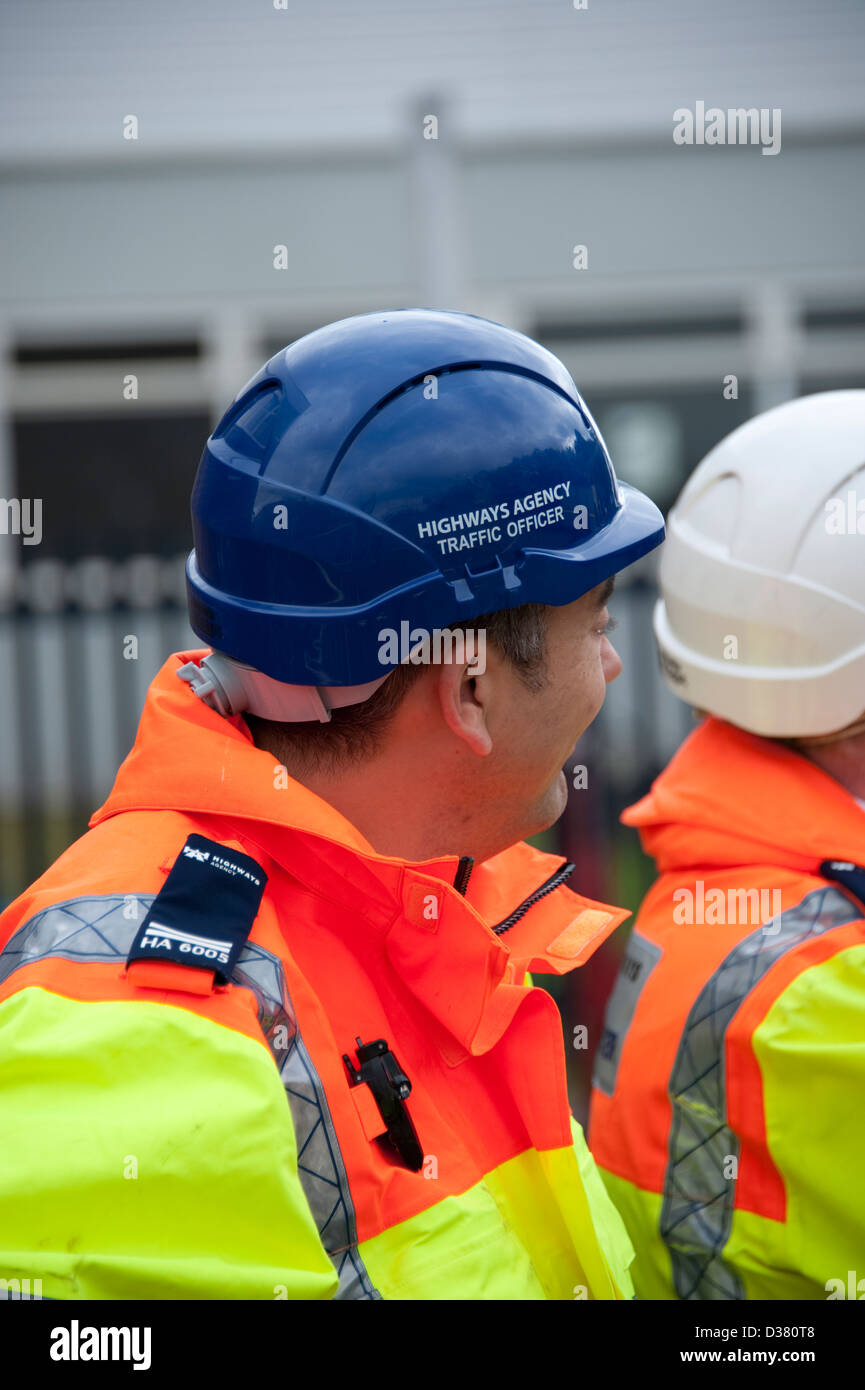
849 876
382 1073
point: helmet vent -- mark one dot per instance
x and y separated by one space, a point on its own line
249 427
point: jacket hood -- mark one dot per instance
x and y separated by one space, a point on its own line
730 798
188 758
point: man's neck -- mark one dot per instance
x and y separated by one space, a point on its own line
430 821
844 761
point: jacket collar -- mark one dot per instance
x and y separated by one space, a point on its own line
732 798
188 758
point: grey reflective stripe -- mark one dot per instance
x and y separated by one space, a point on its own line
319 1161
99 929
698 1203
84 929
640 959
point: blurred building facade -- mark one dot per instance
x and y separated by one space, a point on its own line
184 190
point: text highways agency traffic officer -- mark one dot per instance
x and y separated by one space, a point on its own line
266 1029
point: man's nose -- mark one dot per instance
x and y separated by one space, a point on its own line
611 661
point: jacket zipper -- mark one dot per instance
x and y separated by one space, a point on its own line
561 874
463 873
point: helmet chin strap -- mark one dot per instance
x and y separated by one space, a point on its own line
230 687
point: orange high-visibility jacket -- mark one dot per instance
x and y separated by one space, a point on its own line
166 1133
727 1111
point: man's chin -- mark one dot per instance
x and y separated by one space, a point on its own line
553 804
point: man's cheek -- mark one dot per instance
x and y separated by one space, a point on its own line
589 697
584 688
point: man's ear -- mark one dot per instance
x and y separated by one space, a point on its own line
463 706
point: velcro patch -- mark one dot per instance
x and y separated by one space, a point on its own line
574 937
204 912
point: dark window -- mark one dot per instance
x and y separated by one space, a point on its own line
556 336
47 354
842 316
113 485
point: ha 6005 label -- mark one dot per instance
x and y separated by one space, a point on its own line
158 937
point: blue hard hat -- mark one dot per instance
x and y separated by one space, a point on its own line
408 465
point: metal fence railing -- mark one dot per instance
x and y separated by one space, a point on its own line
80 643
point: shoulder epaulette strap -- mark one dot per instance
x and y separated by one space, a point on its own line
202 915
849 876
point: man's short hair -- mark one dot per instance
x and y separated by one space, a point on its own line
355 731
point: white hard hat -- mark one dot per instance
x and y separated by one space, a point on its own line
762 614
